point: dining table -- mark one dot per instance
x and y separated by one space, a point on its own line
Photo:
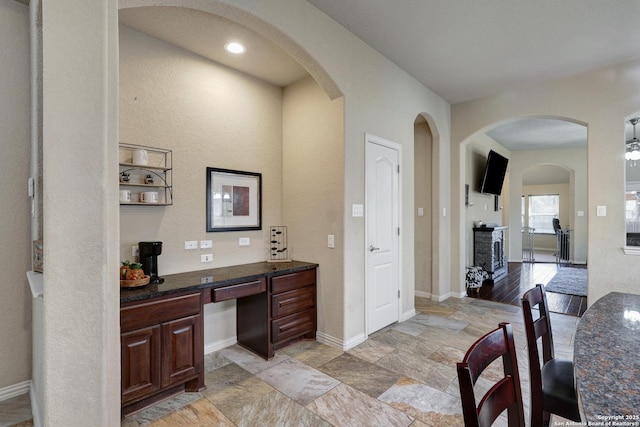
606 361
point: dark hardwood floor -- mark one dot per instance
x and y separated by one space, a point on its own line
523 276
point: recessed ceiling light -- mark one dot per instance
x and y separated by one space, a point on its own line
235 47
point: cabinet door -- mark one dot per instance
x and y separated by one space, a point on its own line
182 355
140 362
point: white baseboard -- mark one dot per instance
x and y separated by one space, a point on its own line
14 390
408 315
338 343
219 345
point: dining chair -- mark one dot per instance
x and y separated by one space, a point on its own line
552 382
504 394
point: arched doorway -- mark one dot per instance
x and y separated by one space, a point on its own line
528 142
423 194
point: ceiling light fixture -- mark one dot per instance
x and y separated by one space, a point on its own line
235 47
632 152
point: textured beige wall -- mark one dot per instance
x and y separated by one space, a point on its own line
423 199
481 206
15 208
312 198
81 381
209 116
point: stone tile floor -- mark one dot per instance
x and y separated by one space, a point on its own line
403 375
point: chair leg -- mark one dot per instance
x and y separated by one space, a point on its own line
546 418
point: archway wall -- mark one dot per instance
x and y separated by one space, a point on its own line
573 160
379 98
601 100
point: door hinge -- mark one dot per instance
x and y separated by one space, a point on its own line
398 168
398 293
398 230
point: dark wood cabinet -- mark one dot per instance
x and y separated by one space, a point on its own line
162 326
140 363
293 308
181 359
162 349
285 313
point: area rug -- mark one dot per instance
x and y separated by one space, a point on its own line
569 281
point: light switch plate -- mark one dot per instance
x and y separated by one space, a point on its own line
601 210
357 210
331 241
206 244
244 241
420 211
191 244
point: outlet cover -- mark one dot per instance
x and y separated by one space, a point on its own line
206 244
134 251
191 244
244 241
206 258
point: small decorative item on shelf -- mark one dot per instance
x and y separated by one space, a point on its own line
148 179
476 275
125 176
278 244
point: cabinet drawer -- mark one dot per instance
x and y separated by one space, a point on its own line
154 312
238 291
293 281
295 301
293 326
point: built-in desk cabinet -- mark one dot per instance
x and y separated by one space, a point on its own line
162 335
162 348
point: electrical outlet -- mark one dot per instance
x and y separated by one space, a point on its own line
206 244
331 241
206 258
244 241
134 251
191 244
206 279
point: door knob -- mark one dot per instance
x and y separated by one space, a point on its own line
372 248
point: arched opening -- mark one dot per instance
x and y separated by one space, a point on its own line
423 196
527 143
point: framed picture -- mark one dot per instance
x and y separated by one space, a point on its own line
234 200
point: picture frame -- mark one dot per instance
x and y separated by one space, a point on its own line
234 200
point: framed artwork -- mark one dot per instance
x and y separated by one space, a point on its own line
234 200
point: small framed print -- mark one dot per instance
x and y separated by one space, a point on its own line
234 200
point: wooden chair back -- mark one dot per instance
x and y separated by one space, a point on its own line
504 395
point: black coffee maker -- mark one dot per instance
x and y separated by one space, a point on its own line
148 252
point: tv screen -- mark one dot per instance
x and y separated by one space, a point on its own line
494 173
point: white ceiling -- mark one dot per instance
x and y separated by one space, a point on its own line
467 49
462 50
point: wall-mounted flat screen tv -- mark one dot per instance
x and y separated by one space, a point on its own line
494 173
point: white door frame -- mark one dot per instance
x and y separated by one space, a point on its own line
372 139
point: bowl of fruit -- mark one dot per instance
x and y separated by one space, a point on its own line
132 275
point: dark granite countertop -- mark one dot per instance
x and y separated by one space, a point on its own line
212 278
607 358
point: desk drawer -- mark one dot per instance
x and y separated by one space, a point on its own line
293 326
294 301
156 312
293 281
238 291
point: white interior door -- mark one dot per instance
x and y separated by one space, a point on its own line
382 210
